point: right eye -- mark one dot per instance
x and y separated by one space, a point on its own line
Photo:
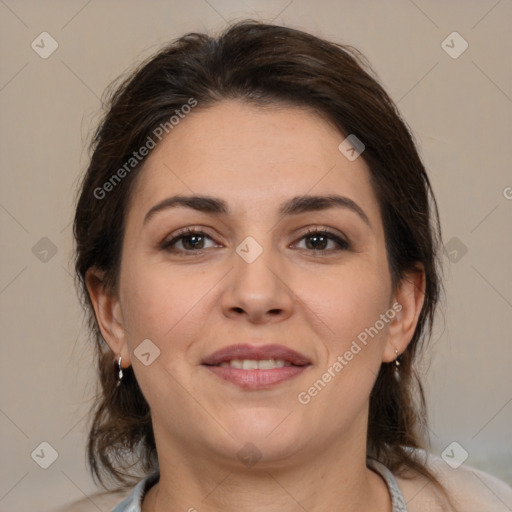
188 240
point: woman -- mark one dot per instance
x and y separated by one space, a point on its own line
257 245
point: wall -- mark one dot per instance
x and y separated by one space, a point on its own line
459 110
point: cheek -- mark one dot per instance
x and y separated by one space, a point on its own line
346 301
163 306
157 302
351 341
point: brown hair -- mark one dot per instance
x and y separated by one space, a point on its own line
264 65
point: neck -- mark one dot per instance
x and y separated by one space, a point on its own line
336 479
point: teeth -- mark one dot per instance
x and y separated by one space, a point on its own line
249 364
253 364
268 364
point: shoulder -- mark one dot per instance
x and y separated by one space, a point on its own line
98 501
129 500
470 489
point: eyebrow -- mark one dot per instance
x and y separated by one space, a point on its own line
294 206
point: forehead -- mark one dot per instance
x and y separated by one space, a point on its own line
252 155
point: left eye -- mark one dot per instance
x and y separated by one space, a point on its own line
319 241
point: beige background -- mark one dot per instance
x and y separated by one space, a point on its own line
460 111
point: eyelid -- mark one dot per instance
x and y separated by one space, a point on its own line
319 228
183 232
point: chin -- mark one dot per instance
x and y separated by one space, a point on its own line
261 433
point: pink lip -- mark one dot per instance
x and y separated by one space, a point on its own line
256 379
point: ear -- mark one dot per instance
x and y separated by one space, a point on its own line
407 303
108 314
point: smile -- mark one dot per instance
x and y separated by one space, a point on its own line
256 367
253 364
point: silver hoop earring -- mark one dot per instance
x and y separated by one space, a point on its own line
119 370
397 365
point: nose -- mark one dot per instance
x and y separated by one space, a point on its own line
258 291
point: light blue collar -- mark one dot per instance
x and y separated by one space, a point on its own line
133 502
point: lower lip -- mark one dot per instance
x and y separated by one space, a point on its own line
256 379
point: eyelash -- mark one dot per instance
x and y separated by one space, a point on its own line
187 232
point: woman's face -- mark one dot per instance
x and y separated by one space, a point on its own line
267 267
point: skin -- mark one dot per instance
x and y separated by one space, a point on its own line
315 301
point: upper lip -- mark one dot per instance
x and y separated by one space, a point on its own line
246 351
